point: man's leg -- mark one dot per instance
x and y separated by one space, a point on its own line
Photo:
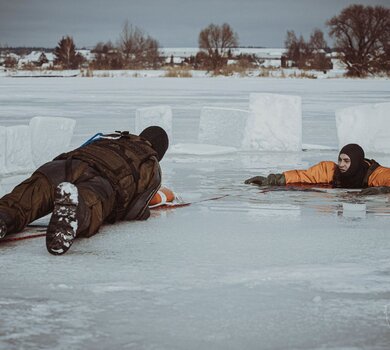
28 201
97 200
79 210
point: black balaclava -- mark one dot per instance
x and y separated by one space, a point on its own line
355 175
158 138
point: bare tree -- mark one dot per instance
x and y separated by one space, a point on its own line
66 55
152 56
297 49
317 41
362 36
217 41
106 56
138 49
10 61
311 54
317 51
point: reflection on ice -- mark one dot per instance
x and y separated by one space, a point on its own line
354 210
257 210
341 278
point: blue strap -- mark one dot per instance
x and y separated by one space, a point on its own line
93 138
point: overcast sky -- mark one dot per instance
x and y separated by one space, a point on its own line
174 23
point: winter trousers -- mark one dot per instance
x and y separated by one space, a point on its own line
34 197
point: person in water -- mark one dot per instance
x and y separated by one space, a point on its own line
352 170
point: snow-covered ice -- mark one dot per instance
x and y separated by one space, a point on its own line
275 270
368 125
222 126
274 123
156 115
50 137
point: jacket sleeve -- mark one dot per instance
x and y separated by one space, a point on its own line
321 173
380 177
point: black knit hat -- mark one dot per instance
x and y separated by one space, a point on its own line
158 138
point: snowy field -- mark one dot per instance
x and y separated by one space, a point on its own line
253 270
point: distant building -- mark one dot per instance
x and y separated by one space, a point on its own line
269 56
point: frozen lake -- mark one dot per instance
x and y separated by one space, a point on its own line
253 270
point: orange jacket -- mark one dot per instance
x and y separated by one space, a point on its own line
322 173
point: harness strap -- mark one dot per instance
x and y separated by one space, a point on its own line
68 169
373 166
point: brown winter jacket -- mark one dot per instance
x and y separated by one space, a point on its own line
130 165
323 173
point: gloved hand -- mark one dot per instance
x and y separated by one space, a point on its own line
257 180
270 180
371 191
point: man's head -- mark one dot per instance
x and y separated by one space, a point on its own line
351 159
158 139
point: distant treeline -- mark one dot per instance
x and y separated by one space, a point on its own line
361 37
25 50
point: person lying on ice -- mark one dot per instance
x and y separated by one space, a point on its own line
353 170
112 178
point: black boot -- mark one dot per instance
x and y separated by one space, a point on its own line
63 223
3 228
5 224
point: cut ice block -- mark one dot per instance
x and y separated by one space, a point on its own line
200 149
355 210
3 149
157 115
354 206
274 123
222 126
18 149
367 125
50 137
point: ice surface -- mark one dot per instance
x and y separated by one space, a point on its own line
157 115
274 123
18 149
281 268
222 126
367 125
50 137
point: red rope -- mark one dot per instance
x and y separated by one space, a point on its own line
12 239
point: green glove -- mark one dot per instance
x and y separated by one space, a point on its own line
257 180
372 191
270 180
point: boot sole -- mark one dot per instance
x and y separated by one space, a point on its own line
62 228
